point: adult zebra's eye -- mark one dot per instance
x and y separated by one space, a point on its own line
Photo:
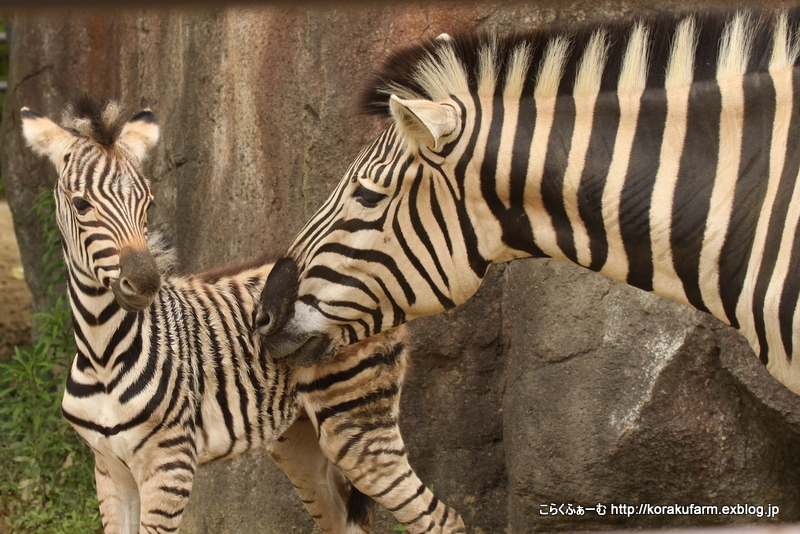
81 206
367 197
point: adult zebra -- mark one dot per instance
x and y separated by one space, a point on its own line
660 153
171 373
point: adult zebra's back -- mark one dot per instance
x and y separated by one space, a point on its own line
661 153
170 372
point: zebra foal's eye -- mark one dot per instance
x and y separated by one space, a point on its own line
366 197
80 205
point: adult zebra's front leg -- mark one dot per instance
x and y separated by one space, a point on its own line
354 402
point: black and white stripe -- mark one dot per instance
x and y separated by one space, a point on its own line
171 373
660 153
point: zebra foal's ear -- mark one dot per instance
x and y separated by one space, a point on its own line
45 137
140 134
422 122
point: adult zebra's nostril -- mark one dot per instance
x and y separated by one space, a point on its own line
263 319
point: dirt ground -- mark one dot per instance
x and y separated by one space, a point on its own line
15 299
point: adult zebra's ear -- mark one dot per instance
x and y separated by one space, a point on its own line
422 122
140 134
45 137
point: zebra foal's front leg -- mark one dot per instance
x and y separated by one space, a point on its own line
322 488
164 469
118 497
355 402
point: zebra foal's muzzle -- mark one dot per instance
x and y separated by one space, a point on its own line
274 320
138 281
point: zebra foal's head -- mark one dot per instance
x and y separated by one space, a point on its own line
101 196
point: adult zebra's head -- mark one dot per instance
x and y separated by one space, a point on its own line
500 148
396 239
101 196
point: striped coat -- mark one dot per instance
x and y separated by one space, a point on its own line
171 373
661 153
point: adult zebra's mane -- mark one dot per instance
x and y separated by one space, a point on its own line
719 43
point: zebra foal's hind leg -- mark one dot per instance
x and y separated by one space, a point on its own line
322 488
118 498
355 402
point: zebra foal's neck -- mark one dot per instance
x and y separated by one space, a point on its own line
110 340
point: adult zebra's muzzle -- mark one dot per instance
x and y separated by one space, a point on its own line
276 304
139 280
276 320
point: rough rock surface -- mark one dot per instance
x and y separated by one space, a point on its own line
552 385
618 396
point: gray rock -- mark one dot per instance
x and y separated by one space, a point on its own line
618 396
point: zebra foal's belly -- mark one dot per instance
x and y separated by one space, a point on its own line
108 427
232 414
217 440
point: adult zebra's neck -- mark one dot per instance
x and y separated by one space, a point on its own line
661 188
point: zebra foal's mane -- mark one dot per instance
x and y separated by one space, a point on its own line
163 252
554 61
98 119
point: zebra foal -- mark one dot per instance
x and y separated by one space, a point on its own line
170 372
662 153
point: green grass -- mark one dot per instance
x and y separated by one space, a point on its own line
46 471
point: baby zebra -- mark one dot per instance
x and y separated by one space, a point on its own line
170 372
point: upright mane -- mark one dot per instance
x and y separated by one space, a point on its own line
100 120
485 63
